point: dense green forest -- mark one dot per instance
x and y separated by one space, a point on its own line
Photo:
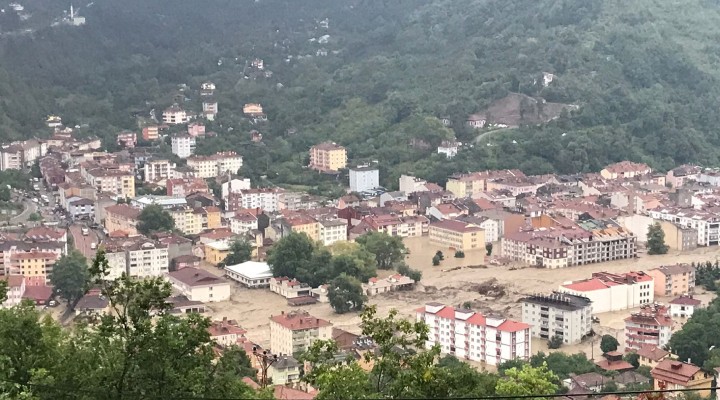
644 75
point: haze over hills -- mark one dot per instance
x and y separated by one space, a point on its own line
644 75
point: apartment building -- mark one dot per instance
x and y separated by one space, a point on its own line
127 139
199 285
298 224
11 157
332 230
457 235
265 199
295 332
15 290
364 177
625 170
19 155
182 145
289 288
613 292
568 244
397 225
191 221
115 181
10 248
652 326
136 256
673 280
558 314
210 109
159 169
175 115
243 222
328 157
121 217
183 187
468 185
684 306
227 333
151 133
216 164
473 336
35 266
671 374
706 223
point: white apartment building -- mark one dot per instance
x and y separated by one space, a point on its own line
332 230
651 326
199 285
113 181
156 170
175 115
558 314
137 256
706 223
364 178
183 145
296 331
613 292
410 184
11 157
233 186
264 199
474 336
243 222
216 164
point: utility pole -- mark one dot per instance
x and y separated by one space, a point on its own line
266 359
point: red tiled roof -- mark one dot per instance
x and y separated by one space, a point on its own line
286 393
588 285
299 321
652 352
123 210
512 326
13 280
674 371
456 226
686 301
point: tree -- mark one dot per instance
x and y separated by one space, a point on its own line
35 217
439 254
436 260
154 218
633 359
555 342
70 277
609 387
459 254
240 251
292 256
488 249
527 381
656 240
404 269
387 249
346 294
5 194
608 343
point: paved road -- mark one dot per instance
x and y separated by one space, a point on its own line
30 207
81 242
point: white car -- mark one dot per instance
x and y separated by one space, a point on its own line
85 231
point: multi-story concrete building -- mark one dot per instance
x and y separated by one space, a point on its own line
115 181
182 145
473 336
295 332
35 266
191 221
265 199
397 225
332 230
127 139
151 133
183 187
706 223
457 235
613 292
567 244
243 222
625 170
298 224
210 109
364 178
289 288
199 285
652 325
467 185
216 164
156 170
558 314
328 157
10 248
15 290
121 217
175 115
673 280
136 256
11 157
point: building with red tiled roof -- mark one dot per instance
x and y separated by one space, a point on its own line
200 285
650 355
671 374
652 325
296 331
613 361
624 170
15 290
467 334
226 332
121 217
612 292
684 306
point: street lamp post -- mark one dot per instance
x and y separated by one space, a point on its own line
266 359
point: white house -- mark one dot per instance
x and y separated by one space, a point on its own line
449 148
613 292
183 145
199 285
364 178
175 115
252 274
684 306
79 207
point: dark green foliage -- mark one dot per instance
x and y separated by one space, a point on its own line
559 363
439 254
632 358
404 269
70 277
346 294
154 218
698 335
388 250
608 343
488 249
707 274
35 217
609 387
240 251
459 254
656 240
436 260
555 342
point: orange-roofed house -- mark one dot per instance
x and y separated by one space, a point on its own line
473 336
457 235
122 217
651 355
227 332
671 374
295 332
624 170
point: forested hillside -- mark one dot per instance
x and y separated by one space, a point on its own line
645 75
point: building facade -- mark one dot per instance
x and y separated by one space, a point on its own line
183 145
328 157
673 280
457 235
295 332
558 314
364 178
613 292
474 336
199 285
651 326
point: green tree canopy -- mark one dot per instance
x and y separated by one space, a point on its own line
388 250
608 343
656 240
240 251
346 294
70 277
527 381
154 218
